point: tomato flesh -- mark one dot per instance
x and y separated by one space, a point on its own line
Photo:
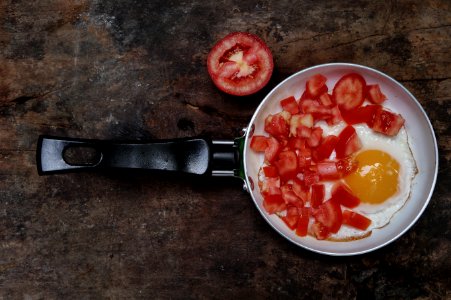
316 85
348 142
259 143
355 220
317 195
240 64
329 214
292 217
374 94
272 150
325 149
287 164
387 123
290 105
270 171
303 221
343 195
349 91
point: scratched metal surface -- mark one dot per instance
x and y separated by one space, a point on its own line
137 70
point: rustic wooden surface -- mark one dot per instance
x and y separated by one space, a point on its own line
136 70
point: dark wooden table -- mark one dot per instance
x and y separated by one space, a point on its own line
137 70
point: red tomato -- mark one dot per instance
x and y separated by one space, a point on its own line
387 122
274 203
329 214
325 149
290 197
335 116
342 194
240 64
348 142
315 138
304 216
290 105
327 170
296 143
270 171
272 150
287 165
316 85
259 143
374 94
317 195
362 114
292 217
326 100
311 176
318 111
270 186
277 125
300 189
355 220
320 231
349 91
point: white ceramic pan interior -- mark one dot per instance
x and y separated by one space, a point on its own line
422 143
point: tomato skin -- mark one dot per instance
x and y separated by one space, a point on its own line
272 150
325 149
270 171
259 143
292 217
303 221
348 142
374 94
329 214
317 195
355 220
327 170
342 194
316 85
290 105
362 114
387 123
225 72
349 91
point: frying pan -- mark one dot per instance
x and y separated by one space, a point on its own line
204 157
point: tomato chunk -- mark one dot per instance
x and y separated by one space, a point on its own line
318 111
374 94
300 189
329 214
303 221
290 197
270 171
316 85
387 122
290 105
277 125
326 100
362 114
355 220
349 91
315 138
292 217
320 231
325 149
272 150
317 195
327 170
348 142
274 203
296 143
270 186
259 143
342 194
240 64
287 164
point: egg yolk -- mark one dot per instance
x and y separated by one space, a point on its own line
376 178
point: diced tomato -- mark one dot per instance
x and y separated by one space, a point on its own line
300 189
361 114
327 170
315 137
349 91
325 149
287 165
387 122
335 116
317 195
274 203
296 143
304 159
303 221
348 142
290 197
318 111
374 94
320 231
277 125
303 131
240 64
342 194
272 150
316 85
290 105
346 166
311 176
270 186
259 143
300 121
355 220
270 171
292 217
329 214
326 100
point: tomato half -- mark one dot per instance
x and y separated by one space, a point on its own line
240 64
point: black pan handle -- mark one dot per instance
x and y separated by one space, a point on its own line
196 156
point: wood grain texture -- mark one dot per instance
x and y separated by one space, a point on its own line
137 70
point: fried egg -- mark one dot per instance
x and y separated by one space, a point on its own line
382 181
